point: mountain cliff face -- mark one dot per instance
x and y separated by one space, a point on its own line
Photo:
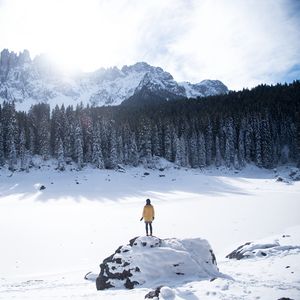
28 82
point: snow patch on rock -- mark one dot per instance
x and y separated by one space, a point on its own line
150 261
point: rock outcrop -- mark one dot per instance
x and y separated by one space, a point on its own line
264 249
150 261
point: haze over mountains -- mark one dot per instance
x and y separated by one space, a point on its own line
29 81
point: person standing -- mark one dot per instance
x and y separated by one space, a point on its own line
148 216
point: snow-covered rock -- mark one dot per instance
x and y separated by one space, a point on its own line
266 249
150 261
28 82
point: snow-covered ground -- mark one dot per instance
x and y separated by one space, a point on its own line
49 239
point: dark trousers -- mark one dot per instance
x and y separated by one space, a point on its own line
150 225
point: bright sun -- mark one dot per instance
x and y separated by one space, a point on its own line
78 34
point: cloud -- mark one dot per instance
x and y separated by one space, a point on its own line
242 43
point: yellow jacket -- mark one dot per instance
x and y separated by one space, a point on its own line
148 213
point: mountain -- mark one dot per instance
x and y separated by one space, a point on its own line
28 81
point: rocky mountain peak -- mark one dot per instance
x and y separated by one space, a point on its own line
27 82
139 67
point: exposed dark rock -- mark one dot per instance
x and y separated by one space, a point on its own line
131 242
251 250
86 275
213 257
130 284
153 294
237 253
102 284
117 261
119 250
146 173
42 187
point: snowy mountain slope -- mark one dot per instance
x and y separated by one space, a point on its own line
27 82
51 238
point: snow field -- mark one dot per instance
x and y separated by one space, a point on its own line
51 238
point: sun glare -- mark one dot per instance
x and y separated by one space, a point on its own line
76 34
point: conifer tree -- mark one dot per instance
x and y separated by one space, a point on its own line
218 153
97 157
78 144
113 155
167 143
193 151
208 143
145 143
61 164
258 157
266 145
177 152
202 151
22 151
133 152
12 155
2 159
241 149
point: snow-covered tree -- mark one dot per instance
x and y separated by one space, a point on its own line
167 142
218 159
241 149
61 164
208 143
12 155
133 152
22 150
78 145
2 158
97 157
266 144
202 159
145 143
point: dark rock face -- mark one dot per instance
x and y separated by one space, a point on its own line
111 264
238 253
154 293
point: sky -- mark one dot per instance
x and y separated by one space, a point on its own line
243 43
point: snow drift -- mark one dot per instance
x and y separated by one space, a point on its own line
150 262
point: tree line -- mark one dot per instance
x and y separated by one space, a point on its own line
259 126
